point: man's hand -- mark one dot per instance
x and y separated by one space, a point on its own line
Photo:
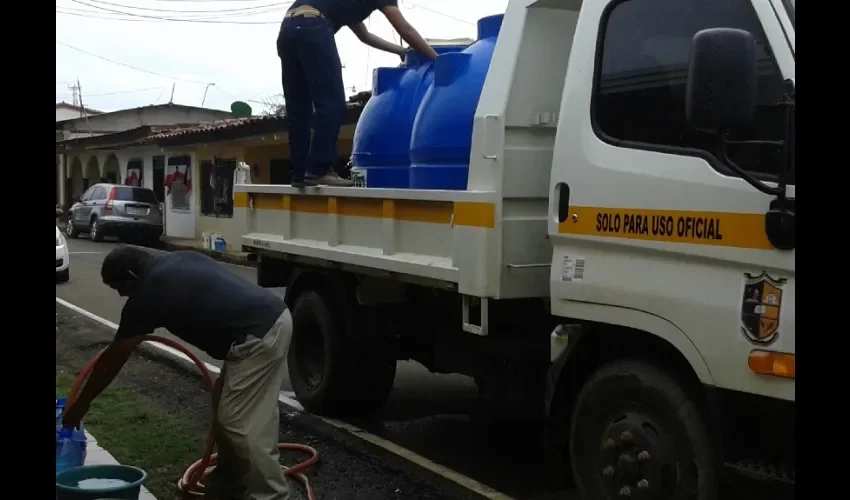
108 365
74 414
407 32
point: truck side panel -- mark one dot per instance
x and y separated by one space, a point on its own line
440 235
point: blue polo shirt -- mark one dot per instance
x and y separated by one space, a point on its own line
345 12
201 301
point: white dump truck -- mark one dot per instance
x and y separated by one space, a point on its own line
622 258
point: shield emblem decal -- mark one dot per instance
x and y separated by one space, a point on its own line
760 307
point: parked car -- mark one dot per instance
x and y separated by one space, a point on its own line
131 213
63 258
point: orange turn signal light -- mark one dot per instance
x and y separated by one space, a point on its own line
777 364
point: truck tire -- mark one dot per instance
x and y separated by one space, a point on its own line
636 432
330 374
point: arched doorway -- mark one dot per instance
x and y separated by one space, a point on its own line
111 169
76 183
92 171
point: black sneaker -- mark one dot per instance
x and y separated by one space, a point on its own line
298 183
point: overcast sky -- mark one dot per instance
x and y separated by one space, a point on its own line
240 59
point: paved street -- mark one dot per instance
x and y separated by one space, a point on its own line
432 415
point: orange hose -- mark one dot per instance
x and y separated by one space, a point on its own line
190 484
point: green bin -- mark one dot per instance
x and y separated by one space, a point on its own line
67 481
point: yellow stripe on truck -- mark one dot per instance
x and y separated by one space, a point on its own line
472 214
725 229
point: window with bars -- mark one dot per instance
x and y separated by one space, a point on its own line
217 187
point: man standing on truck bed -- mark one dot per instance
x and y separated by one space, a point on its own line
312 76
231 319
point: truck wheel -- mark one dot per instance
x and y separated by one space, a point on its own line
635 431
330 374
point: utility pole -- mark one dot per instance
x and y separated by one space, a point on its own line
75 94
205 93
171 99
83 107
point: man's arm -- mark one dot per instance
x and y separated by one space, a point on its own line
138 318
107 367
407 32
375 41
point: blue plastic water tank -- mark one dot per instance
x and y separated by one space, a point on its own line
381 146
442 130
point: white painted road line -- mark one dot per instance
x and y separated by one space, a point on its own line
85 253
288 398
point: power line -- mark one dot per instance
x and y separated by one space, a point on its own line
205 11
208 1
119 63
175 19
112 16
83 14
128 65
434 11
116 92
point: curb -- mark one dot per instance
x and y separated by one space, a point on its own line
239 260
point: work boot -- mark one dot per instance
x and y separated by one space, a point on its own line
329 179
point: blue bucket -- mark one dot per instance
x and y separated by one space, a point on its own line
68 482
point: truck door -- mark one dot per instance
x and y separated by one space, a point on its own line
650 229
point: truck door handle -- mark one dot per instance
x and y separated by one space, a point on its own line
488 119
563 193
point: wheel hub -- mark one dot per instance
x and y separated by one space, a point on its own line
638 459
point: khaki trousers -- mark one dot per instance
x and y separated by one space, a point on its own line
245 405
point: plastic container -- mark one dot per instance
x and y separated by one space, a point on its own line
70 449
381 144
70 443
206 237
442 131
218 243
67 482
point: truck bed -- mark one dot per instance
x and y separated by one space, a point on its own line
438 235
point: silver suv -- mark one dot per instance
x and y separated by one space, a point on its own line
128 212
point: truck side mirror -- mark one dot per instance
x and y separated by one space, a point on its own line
722 86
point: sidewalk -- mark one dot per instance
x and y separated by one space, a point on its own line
95 455
239 258
171 244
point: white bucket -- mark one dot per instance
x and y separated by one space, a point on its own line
206 237
218 243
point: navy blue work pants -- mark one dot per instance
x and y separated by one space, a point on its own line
312 78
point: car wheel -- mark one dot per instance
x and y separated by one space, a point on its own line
63 276
71 230
94 231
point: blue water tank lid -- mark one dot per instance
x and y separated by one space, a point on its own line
488 27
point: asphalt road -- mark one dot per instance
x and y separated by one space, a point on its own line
436 416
